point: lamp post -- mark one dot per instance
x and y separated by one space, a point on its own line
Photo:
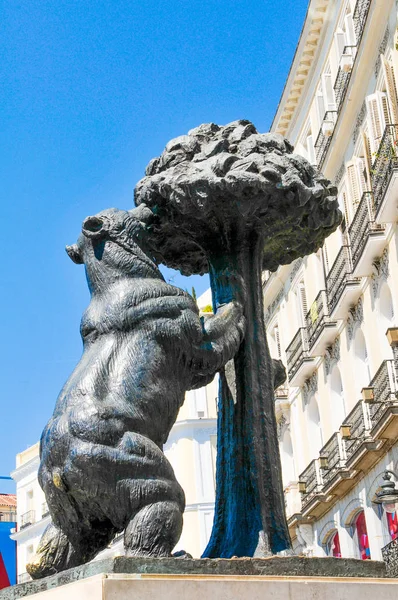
388 494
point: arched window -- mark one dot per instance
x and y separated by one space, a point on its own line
314 427
386 309
362 372
333 545
337 398
361 533
287 459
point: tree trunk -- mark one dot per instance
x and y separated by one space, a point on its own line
250 508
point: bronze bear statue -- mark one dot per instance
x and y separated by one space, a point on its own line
102 467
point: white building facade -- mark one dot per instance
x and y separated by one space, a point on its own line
191 450
327 315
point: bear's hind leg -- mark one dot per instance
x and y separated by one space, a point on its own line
154 531
54 554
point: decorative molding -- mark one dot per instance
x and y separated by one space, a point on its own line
360 119
354 319
381 271
310 387
296 267
382 49
273 306
332 355
282 425
340 174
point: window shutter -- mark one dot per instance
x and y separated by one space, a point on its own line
353 183
303 301
328 91
311 150
349 30
320 105
361 168
325 258
339 40
368 157
277 341
376 119
391 90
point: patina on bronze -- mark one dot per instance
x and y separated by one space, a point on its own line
238 202
102 467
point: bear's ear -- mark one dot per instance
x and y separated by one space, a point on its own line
142 213
74 254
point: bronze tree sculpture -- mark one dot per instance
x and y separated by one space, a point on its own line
102 467
233 202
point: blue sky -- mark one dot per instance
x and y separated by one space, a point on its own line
90 92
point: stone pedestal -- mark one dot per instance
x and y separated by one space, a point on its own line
253 579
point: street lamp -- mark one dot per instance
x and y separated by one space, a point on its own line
388 494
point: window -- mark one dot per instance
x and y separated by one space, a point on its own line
333 545
314 428
378 116
362 372
287 459
356 169
302 306
337 398
361 533
392 524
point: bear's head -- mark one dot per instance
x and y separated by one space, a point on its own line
115 243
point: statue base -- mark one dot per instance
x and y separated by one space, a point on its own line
122 578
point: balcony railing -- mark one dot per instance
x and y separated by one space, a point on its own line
281 392
44 510
344 75
332 458
27 519
317 318
9 517
358 423
385 163
362 227
359 17
325 136
311 481
296 352
338 277
385 390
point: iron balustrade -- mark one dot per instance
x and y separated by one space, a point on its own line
312 480
317 317
333 454
363 225
323 140
296 352
27 519
9 517
44 510
358 422
384 164
338 277
281 392
385 390
359 17
344 75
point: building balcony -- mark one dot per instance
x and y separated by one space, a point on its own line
325 136
343 288
383 403
310 484
344 75
332 461
359 17
299 364
321 330
27 519
367 237
384 176
44 510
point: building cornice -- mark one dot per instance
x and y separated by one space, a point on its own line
25 469
302 66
